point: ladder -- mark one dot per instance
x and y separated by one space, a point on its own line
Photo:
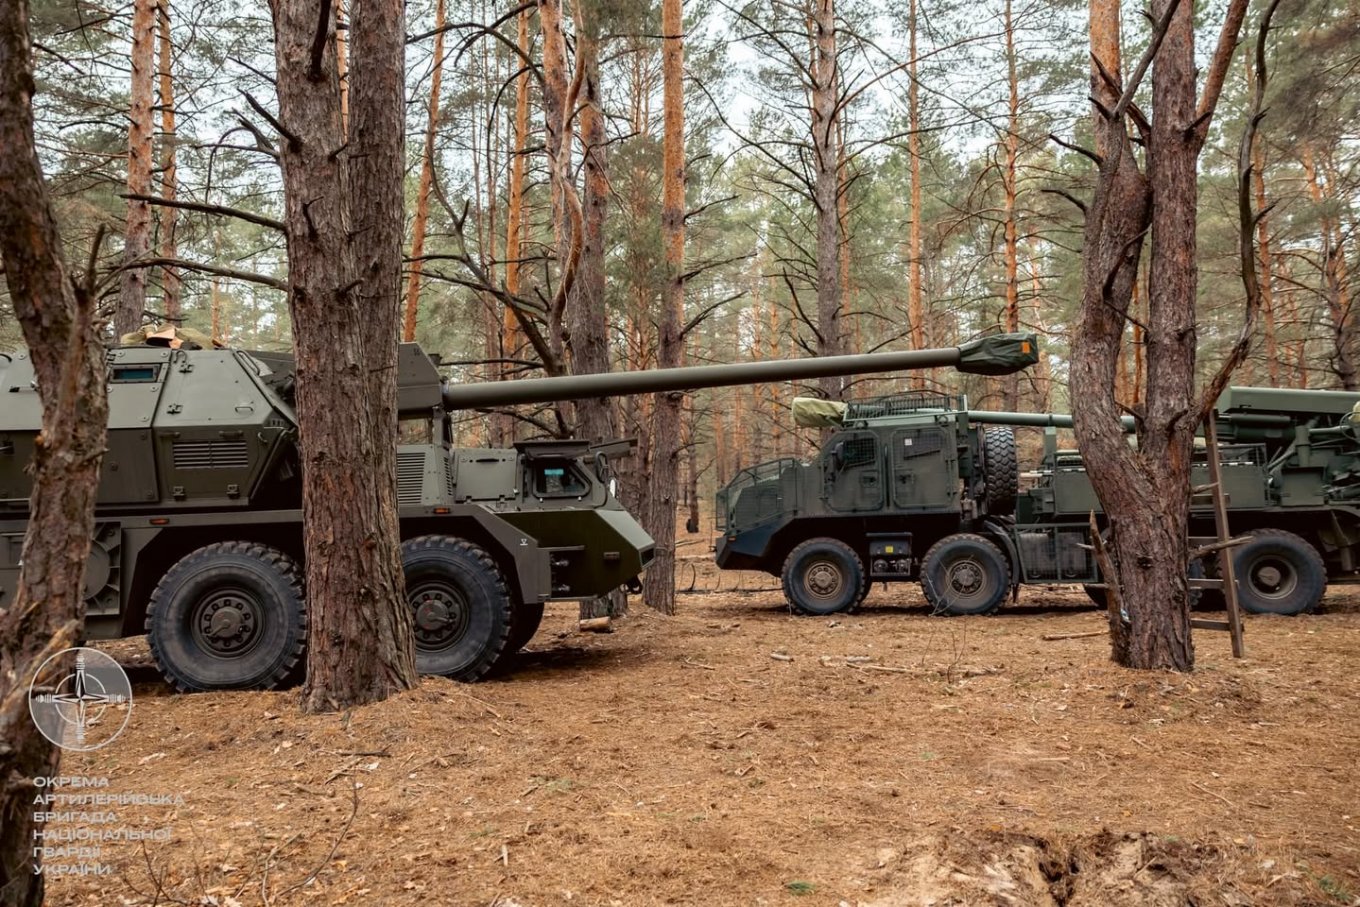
1222 543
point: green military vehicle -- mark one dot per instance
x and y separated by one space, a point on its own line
198 524
918 486
1290 466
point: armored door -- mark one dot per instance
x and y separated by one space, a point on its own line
853 469
925 469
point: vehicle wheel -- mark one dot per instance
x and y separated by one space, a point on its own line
964 574
525 623
229 616
823 576
1000 471
460 606
1279 573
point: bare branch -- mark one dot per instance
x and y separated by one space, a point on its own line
249 216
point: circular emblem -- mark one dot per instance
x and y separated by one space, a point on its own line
80 699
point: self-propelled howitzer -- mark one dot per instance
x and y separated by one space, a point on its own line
198 526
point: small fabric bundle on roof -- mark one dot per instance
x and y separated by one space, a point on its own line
814 412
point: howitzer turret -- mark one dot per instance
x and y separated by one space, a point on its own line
198 535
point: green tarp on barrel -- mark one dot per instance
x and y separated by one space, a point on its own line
999 355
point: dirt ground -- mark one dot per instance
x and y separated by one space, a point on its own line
735 754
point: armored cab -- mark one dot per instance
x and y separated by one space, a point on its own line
198 536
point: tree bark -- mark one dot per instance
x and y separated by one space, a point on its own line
137 231
658 584
1010 384
418 227
587 313
57 318
344 289
169 216
826 185
1265 260
1145 492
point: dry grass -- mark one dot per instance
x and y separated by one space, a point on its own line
896 759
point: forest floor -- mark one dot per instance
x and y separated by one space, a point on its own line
735 754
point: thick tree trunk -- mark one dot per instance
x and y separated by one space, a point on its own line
1145 492
57 318
408 331
141 127
826 185
169 217
658 583
344 288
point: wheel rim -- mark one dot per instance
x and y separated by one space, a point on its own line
1273 578
965 580
823 580
440 613
227 623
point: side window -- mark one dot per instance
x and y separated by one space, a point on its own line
558 479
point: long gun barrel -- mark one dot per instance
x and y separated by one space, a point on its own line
1035 420
1000 354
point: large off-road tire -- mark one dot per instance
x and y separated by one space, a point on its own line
229 616
460 606
964 574
527 618
1000 471
823 576
1278 573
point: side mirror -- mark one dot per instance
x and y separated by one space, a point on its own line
601 466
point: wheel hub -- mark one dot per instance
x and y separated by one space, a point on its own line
1273 578
823 580
228 623
440 614
965 577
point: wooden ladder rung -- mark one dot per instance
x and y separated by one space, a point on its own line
1200 623
1205 582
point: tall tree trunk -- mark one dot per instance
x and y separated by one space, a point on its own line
826 185
916 316
408 332
512 339
1265 260
169 217
1010 385
587 315
344 290
658 584
141 127
1146 492
56 315
559 105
